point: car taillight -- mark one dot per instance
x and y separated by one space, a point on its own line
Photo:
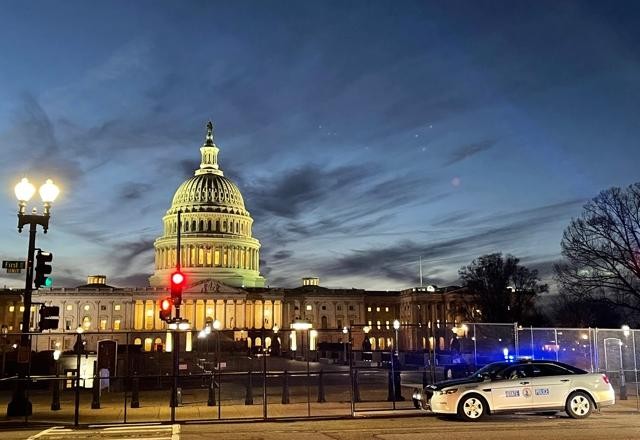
605 379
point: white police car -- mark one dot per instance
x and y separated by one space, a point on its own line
520 386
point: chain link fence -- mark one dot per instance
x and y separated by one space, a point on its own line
132 377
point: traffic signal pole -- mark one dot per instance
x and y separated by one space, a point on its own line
176 334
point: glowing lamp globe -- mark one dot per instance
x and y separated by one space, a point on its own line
24 190
49 191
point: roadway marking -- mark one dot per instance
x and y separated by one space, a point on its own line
137 432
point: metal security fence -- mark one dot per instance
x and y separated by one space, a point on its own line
130 377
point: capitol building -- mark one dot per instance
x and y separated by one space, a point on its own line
220 258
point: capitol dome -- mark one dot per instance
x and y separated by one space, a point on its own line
216 241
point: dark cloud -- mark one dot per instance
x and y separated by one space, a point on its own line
133 280
133 191
398 261
467 151
282 255
126 253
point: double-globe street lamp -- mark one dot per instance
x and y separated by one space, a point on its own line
24 190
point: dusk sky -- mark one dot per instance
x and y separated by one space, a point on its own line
363 135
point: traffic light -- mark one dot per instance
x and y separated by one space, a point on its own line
43 269
165 309
49 317
177 284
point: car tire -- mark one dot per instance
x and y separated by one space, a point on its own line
472 408
579 405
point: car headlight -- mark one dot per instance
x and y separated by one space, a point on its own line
449 391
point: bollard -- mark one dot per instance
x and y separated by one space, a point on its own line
623 387
248 400
211 401
356 387
135 393
95 391
321 396
55 397
285 388
398 387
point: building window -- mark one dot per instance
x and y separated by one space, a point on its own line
69 307
86 323
386 309
86 307
103 307
116 307
68 324
116 324
338 308
103 324
351 308
296 308
12 309
377 309
368 309
309 307
21 308
324 307
339 323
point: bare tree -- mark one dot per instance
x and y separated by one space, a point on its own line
504 290
601 249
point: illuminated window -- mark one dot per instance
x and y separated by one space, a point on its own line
22 308
386 309
148 342
12 309
368 309
87 307
116 324
116 307
86 323
378 323
377 309
69 307
309 307
103 324
137 341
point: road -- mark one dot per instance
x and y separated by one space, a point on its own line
610 425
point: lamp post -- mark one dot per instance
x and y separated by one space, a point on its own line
345 332
55 401
20 404
305 325
5 331
396 327
217 325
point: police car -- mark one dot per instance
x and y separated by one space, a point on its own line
520 386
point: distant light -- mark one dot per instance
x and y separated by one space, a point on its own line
396 324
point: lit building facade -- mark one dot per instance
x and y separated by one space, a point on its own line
220 259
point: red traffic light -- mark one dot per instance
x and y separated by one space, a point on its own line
165 309
165 304
177 278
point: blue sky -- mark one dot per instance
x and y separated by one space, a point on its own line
363 135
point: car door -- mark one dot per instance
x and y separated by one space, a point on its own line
551 384
512 389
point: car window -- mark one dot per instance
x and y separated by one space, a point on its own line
549 370
515 372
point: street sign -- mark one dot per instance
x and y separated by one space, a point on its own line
13 266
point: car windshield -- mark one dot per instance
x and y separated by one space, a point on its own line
491 370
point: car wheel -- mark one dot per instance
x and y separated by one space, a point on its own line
579 405
472 408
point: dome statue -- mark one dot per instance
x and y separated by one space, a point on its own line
215 241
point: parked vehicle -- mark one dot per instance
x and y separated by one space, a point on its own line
519 386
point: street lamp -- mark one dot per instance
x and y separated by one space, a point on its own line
396 327
24 191
305 325
345 331
217 325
